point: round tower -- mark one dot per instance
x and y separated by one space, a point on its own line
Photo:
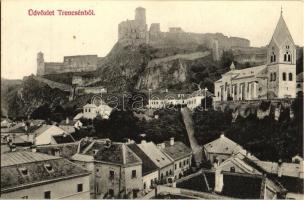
40 64
140 15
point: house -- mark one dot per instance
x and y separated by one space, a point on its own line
274 80
180 154
65 150
239 177
117 169
160 159
192 101
149 169
90 111
221 149
51 134
29 175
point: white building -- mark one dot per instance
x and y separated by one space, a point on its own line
29 175
275 80
90 111
51 134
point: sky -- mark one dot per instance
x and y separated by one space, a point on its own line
23 36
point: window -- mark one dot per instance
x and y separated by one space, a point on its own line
175 166
133 173
167 173
23 171
290 76
162 176
111 174
135 191
187 161
111 192
274 76
232 169
289 58
79 187
170 172
184 162
48 167
284 76
24 197
145 186
180 164
47 194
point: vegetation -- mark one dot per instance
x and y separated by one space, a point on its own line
266 138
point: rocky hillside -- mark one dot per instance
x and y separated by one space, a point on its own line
8 88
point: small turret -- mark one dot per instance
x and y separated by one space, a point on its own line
40 64
232 67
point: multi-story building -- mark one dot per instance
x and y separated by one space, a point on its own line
116 169
160 159
180 154
275 80
29 175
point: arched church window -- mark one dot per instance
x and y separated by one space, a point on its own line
285 57
274 76
290 76
270 77
289 58
284 76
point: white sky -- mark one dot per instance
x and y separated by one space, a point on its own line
23 36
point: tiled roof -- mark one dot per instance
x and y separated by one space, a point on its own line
21 157
66 149
177 151
222 145
281 32
67 128
159 158
35 164
117 153
147 164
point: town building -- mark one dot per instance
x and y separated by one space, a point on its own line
91 111
51 134
180 154
192 101
149 169
116 169
29 175
274 80
221 149
160 159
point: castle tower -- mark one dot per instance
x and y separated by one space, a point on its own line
140 15
215 50
281 63
40 64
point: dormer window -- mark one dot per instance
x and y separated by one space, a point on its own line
23 171
49 167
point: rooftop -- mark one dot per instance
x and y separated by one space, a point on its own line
177 151
222 145
22 169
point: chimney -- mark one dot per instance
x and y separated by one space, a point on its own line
172 141
143 142
280 169
67 120
34 149
13 148
222 135
124 154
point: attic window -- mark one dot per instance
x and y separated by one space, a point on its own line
158 160
95 151
163 158
49 167
23 171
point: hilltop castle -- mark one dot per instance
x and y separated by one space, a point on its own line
135 32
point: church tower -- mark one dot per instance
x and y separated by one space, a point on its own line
281 63
40 64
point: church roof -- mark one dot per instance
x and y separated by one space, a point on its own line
281 32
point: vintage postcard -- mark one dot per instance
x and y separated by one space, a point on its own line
152 99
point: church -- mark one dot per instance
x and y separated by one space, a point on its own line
274 80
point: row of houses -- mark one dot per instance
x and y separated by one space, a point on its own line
237 173
110 169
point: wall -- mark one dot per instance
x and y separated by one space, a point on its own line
147 179
59 190
166 170
179 171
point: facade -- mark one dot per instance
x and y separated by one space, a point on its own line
79 63
90 111
116 169
192 101
31 175
161 160
149 169
180 154
275 80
